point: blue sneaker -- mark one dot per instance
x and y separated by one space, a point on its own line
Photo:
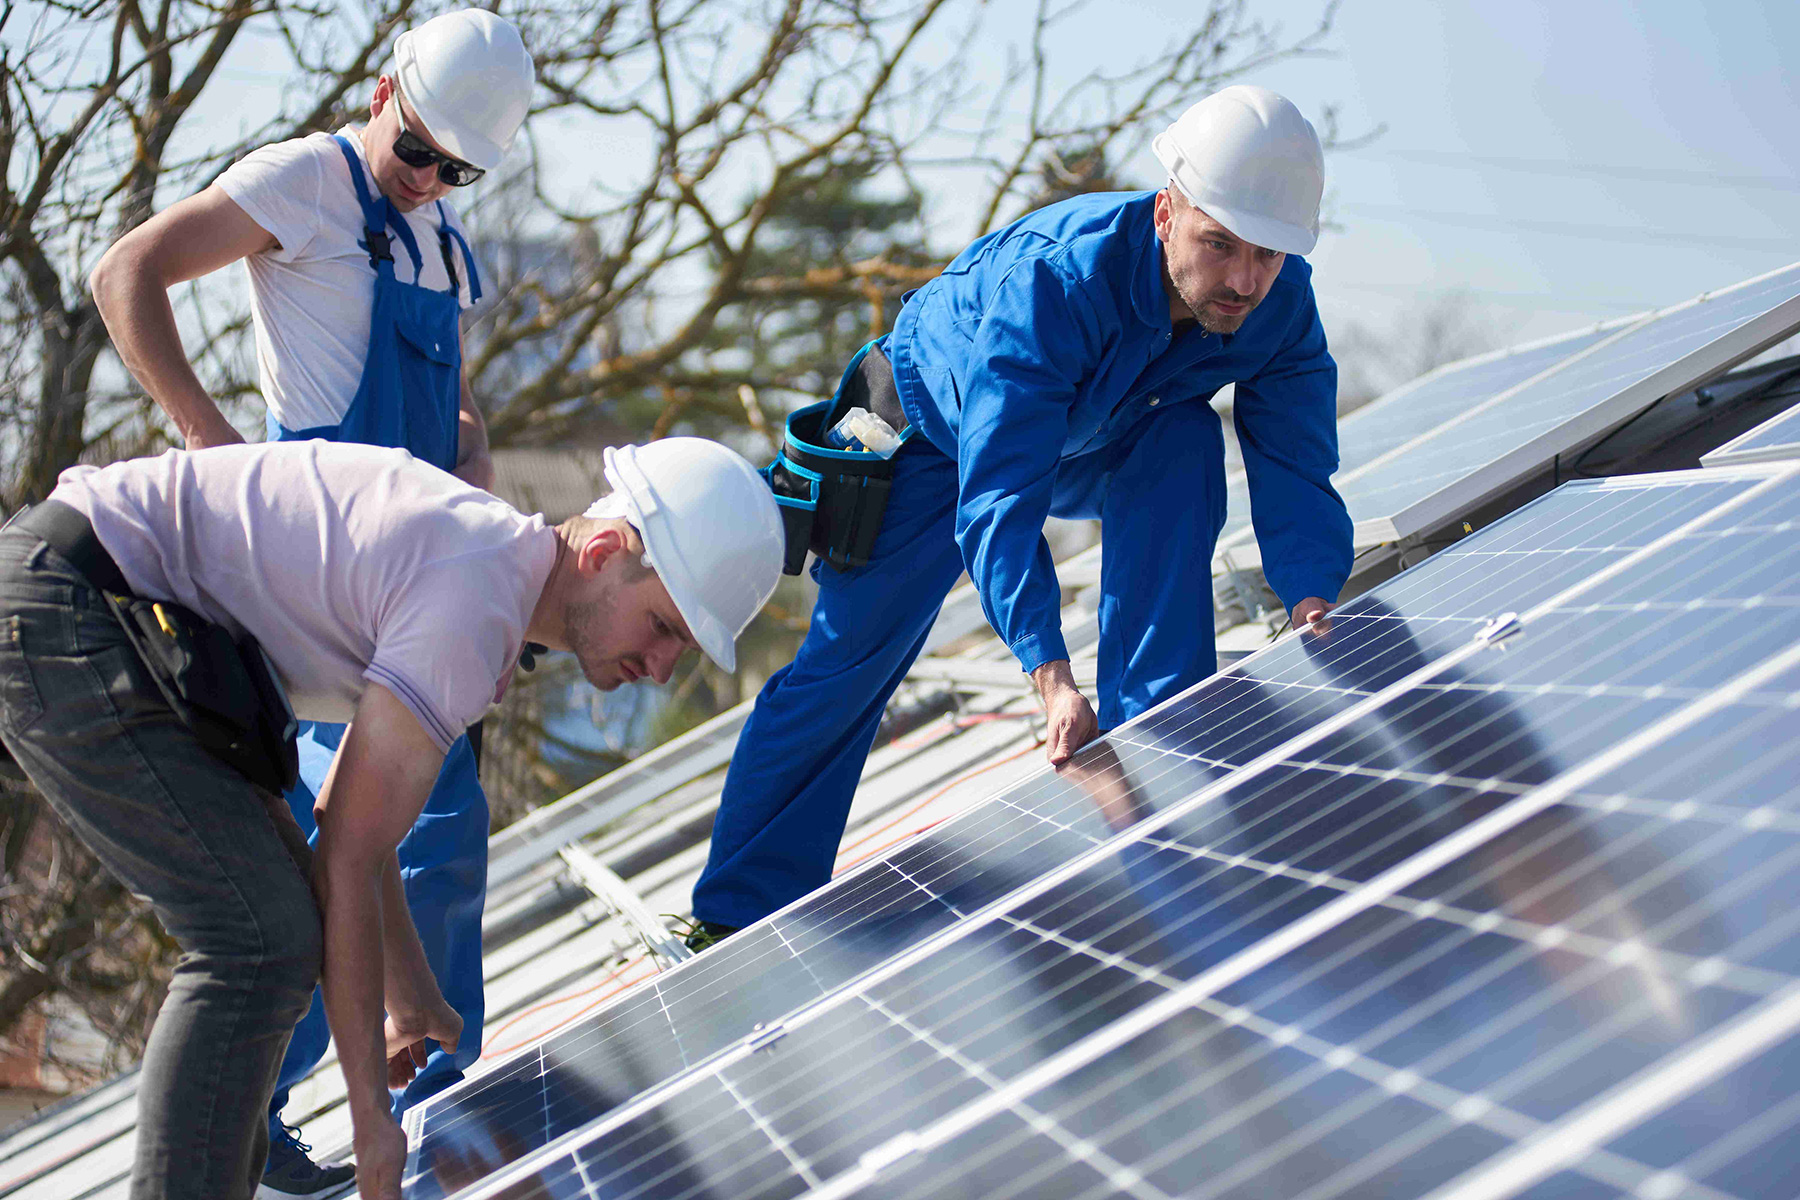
291 1172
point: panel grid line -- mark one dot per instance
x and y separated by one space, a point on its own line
1630 1102
1118 1174
1364 706
1072 1058
1625 1172
801 1167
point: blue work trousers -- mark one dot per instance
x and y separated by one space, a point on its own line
1159 495
443 865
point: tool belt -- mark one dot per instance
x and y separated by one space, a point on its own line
832 500
222 688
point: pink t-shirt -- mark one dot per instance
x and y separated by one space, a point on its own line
348 563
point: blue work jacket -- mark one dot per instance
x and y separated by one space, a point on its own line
1051 338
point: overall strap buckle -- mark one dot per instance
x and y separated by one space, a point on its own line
380 246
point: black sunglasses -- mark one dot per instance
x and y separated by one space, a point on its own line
411 149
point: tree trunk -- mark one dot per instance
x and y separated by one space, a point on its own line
71 343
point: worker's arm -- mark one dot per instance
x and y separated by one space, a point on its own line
191 238
1286 418
378 786
1038 339
474 463
415 1005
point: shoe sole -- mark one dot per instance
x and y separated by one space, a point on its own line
265 1192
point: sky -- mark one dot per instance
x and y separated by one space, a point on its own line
1558 162
1562 161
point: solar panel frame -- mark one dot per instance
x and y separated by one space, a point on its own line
1775 440
1289 748
1238 540
1691 370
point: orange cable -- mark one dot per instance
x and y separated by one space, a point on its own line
555 1000
954 783
914 741
574 1016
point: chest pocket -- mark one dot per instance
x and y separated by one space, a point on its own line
439 348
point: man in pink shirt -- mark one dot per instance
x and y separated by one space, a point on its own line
386 593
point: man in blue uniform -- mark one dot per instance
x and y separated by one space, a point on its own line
359 274
1063 366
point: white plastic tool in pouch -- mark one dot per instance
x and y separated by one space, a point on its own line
861 429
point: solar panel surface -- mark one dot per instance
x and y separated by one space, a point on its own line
1776 438
1426 403
959 987
1428 481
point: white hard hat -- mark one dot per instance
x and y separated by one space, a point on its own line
1248 159
711 530
469 78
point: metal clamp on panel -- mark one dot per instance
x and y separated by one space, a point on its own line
1500 630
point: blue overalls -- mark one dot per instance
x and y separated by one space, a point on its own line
1045 376
409 397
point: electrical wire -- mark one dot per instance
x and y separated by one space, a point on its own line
915 808
488 1049
927 736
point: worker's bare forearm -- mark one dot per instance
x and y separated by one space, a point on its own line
1053 675
410 986
351 897
135 307
474 461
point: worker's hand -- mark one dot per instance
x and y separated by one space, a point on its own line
1070 719
406 1034
380 1158
213 430
1312 615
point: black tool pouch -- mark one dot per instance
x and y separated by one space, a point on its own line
224 689
832 500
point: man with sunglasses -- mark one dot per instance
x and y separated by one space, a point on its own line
359 277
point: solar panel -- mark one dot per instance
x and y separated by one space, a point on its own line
1425 483
1424 404
1234 867
1777 438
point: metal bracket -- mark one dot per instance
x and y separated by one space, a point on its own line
1500 630
617 895
763 1036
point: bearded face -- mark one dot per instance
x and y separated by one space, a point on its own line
1213 276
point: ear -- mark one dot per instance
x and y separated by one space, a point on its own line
384 91
598 550
1163 215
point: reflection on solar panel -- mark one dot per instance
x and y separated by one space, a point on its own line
1776 438
1425 404
1471 895
1430 481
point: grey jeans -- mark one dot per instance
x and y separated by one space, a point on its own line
196 839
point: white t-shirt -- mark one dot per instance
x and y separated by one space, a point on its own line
348 563
311 298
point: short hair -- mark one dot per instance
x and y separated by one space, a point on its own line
608 508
